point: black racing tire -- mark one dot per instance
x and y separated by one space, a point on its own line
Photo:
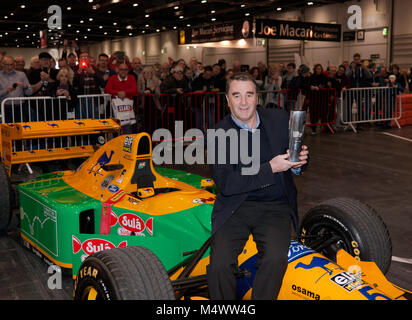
359 229
6 199
128 273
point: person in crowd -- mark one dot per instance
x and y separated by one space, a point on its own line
342 84
272 84
149 86
256 74
189 75
282 70
218 78
175 82
41 78
299 87
382 77
20 64
122 85
236 66
289 75
319 101
34 65
358 74
401 80
13 83
86 82
63 87
71 57
164 71
117 58
72 61
103 72
137 67
263 70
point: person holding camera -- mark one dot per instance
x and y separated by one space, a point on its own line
13 83
41 78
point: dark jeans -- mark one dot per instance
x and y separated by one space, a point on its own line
270 225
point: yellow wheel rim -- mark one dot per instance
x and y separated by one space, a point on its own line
90 293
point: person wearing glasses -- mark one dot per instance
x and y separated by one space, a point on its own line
13 83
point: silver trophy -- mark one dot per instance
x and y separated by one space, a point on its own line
296 132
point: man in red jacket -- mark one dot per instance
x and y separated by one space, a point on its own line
122 85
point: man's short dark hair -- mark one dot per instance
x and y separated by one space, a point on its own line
356 55
103 55
241 76
208 68
292 65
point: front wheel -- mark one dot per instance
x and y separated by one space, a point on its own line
347 224
129 273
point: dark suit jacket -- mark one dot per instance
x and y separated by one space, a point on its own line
233 187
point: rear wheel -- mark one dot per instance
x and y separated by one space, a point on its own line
6 199
129 273
347 224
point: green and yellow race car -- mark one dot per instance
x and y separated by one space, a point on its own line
129 231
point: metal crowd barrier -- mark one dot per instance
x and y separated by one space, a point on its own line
367 105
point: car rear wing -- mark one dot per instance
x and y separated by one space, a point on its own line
28 142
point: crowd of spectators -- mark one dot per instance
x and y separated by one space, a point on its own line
81 74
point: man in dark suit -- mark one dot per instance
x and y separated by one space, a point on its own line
263 204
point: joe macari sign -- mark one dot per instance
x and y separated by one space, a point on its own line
297 30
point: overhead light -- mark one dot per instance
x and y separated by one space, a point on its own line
22 6
100 27
69 25
5 17
176 7
90 19
81 21
88 29
213 19
85 37
157 30
117 30
181 17
213 11
77 31
110 11
147 26
105 32
114 23
115 1
310 3
188 24
278 9
90 1
146 16
247 14
130 34
203 1
175 27
69 8
135 4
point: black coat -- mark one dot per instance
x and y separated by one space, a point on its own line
233 186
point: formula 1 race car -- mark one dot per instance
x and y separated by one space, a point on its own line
157 226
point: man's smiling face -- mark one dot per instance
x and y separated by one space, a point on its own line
242 101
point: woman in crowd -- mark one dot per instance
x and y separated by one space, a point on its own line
272 83
63 87
149 85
